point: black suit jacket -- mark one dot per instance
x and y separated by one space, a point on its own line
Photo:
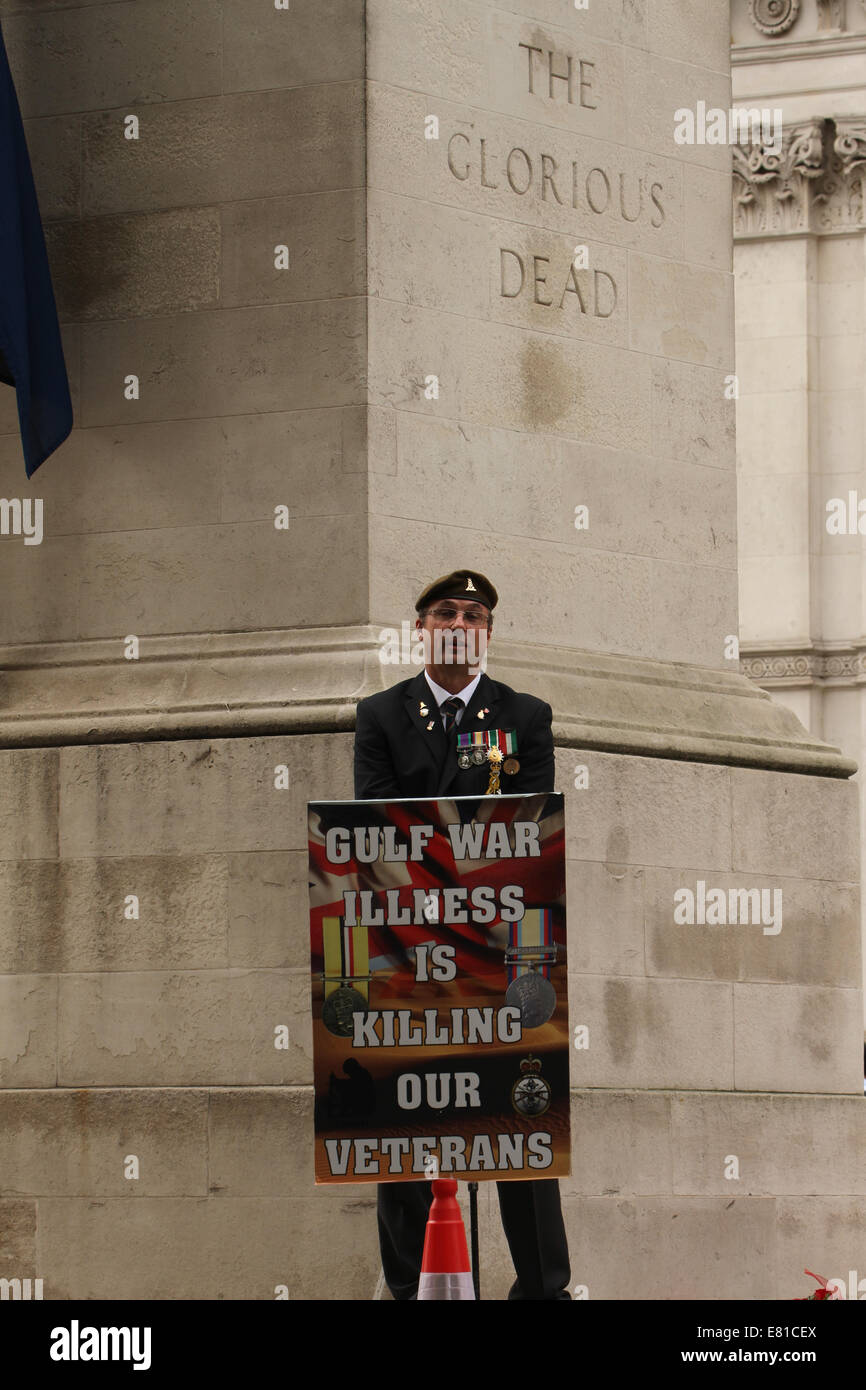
397 756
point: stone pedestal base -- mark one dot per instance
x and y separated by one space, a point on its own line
225 1208
154 1035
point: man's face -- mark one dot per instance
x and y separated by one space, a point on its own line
455 632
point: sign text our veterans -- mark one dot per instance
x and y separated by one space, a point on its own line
439 999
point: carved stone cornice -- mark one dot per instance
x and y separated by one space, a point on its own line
814 183
308 680
773 17
833 43
813 663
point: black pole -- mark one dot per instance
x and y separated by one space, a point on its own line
473 1236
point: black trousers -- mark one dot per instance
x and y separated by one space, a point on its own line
531 1219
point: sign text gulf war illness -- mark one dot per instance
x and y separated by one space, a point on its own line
439 988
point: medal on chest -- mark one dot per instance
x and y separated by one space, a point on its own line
496 747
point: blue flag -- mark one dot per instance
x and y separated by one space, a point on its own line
31 353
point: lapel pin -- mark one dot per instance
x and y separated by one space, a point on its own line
430 726
482 712
422 708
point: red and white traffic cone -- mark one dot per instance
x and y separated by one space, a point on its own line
445 1271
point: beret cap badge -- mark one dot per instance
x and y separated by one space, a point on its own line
459 584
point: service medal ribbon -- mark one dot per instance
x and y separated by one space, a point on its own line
530 943
347 956
503 739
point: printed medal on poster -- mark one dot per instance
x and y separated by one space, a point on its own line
435 926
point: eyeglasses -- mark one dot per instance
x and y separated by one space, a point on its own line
446 613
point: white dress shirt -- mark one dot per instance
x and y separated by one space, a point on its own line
441 694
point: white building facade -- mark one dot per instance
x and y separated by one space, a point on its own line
800 274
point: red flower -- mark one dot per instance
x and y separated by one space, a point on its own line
822 1293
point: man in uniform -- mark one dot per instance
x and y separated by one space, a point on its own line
402 749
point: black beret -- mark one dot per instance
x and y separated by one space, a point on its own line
463 584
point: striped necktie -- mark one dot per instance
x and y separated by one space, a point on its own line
450 709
